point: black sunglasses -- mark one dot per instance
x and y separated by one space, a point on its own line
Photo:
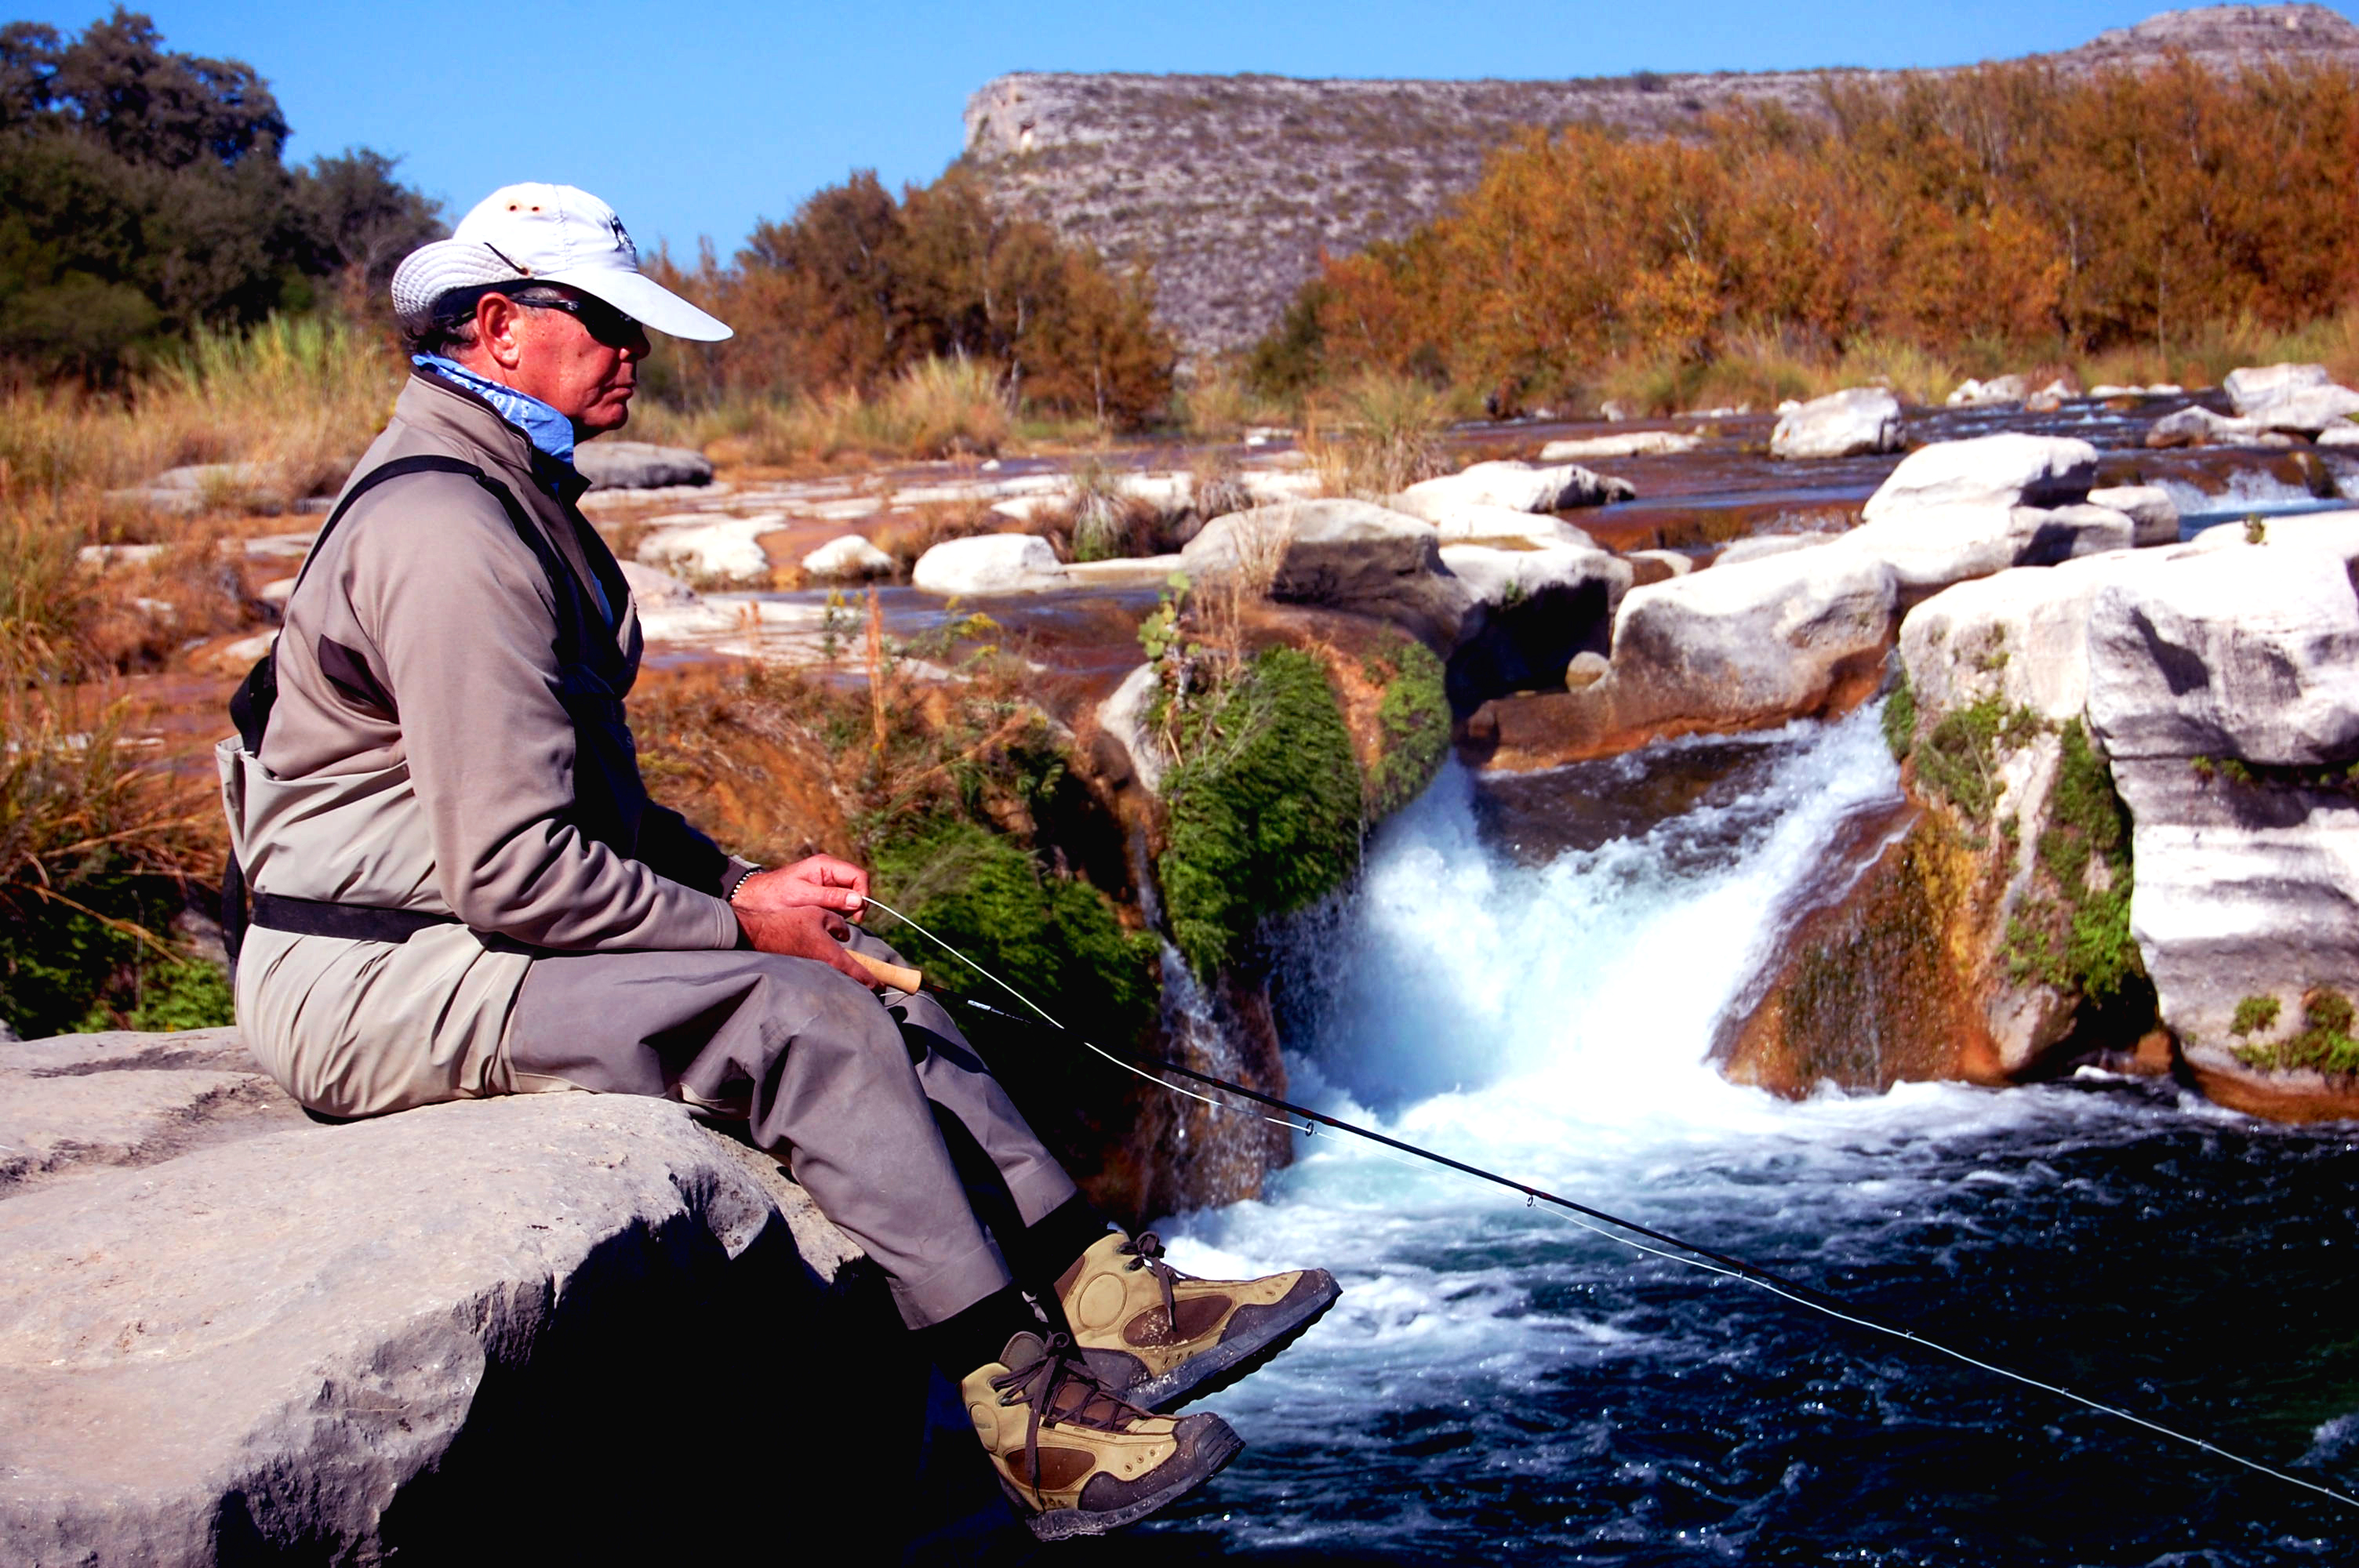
599 320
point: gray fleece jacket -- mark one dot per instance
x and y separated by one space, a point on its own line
439 745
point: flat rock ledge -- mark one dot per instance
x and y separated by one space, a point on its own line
230 1333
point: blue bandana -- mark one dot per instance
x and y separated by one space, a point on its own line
546 428
549 430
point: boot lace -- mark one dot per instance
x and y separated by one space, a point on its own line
1146 1252
1058 1389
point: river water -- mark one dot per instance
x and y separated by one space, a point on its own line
1498 1385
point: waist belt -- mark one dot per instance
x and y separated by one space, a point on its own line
353 922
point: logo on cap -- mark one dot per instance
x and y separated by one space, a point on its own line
622 238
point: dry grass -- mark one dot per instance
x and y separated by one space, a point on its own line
297 398
1377 435
1218 402
940 408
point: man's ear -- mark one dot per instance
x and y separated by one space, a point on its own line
499 329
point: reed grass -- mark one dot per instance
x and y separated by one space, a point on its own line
1376 435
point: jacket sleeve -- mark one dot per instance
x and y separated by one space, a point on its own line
677 850
461 617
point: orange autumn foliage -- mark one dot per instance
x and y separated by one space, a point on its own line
2007 208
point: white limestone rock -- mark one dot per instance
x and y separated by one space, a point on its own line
1760 544
2254 386
1997 390
1525 487
1636 444
1930 548
1768 637
1856 421
654 590
640 465
987 564
2251 653
1459 521
851 556
2196 425
2154 516
2010 470
719 552
2020 636
1497 579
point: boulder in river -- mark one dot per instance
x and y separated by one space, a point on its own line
1522 487
1636 444
1730 648
1533 613
987 564
2196 425
1463 521
2226 683
2009 469
1930 548
849 556
712 552
1341 555
1997 391
640 465
2154 516
1855 422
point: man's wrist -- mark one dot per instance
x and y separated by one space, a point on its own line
748 874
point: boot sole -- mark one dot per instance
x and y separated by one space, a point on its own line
1063 1524
1201 1376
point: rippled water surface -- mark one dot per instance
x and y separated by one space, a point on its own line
1499 1385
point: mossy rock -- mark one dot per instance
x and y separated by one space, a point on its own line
1054 938
1265 807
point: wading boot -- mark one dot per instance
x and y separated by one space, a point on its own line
1074 1458
1159 1337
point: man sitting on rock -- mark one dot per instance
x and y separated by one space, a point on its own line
460 888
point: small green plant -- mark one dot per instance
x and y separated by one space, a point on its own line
2236 771
1900 720
2203 767
1957 759
2254 1016
2324 1044
2256 531
1159 631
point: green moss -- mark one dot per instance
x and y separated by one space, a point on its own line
2080 941
2254 1016
1265 810
1415 719
1053 937
2324 1044
1900 720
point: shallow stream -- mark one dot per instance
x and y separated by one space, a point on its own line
1530 986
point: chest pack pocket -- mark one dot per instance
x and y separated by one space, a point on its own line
592 669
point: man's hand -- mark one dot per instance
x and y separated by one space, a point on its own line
803 932
822 881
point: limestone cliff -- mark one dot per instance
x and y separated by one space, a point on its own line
1228 187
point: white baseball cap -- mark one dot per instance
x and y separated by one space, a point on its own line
547 233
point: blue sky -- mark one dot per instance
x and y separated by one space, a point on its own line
698 119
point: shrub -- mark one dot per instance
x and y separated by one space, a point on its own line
1415 719
1265 807
1054 938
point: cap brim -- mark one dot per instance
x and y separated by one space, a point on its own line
637 295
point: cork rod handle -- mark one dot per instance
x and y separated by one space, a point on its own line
892 975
